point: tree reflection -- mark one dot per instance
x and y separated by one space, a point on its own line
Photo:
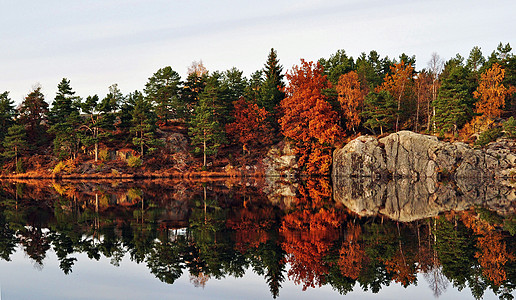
210 231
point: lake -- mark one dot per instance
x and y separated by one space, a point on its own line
255 239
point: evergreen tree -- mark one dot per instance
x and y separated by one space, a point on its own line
475 60
15 142
124 114
371 69
163 89
455 102
33 113
271 92
65 120
205 130
252 90
7 113
379 111
338 64
65 103
192 88
143 124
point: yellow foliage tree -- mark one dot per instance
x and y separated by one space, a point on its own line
491 93
351 99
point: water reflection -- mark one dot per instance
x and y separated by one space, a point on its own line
294 232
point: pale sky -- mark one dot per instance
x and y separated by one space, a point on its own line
96 43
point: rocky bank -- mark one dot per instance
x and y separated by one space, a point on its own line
410 155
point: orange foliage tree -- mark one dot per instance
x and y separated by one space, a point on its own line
351 98
308 119
307 240
250 127
492 254
491 93
423 88
398 84
309 232
352 254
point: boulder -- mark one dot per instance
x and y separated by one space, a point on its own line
412 155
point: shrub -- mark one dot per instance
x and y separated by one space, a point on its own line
64 166
489 136
509 127
134 162
103 154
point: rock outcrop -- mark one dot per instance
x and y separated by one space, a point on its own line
281 161
412 155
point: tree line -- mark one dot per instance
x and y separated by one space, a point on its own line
318 107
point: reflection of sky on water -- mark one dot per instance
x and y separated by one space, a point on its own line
90 279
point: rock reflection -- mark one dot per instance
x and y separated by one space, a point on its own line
407 200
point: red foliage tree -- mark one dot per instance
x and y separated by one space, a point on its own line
250 127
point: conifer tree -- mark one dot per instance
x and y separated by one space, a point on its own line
455 102
379 111
205 129
65 120
162 90
144 125
33 113
7 113
15 142
271 92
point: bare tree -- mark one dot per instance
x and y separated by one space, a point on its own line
435 67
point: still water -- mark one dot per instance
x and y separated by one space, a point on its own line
248 240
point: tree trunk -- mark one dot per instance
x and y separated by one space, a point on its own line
204 148
96 151
141 143
16 158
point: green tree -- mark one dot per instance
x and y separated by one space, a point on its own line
144 124
371 68
455 102
7 113
379 111
192 88
206 131
163 89
271 91
65 120
33 113
338 64
475 60
15 142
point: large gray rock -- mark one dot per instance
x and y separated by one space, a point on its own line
411 155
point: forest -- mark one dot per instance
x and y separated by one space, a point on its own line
211 120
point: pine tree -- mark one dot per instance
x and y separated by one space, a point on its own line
144 125
7 113
271 92
454 104
15 142
162 89
33 113
205 129
65 120
379 111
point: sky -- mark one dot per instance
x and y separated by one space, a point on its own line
96 43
